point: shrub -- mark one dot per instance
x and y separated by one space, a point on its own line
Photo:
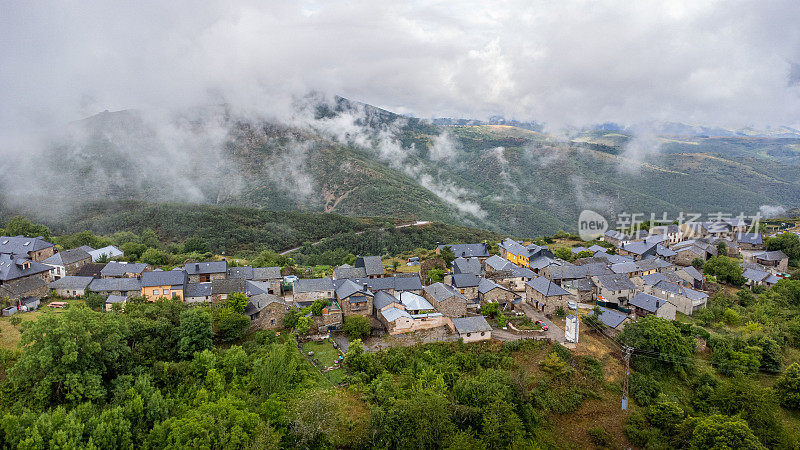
600 437
357 327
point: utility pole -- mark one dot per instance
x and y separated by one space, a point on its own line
628 352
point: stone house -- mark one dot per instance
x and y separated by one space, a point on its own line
467 265
266 311
613 290
774 260
472 329
129 287
310 289
161 283
686 300
372 265
672 233
203 272
446 299
198 292
491 292
221 289
466 284
16 268
122 269
25 288
646 304
71 286
750 241
35 249
67 262
546 296
354 299
479 250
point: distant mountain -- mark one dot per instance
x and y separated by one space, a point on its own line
355 159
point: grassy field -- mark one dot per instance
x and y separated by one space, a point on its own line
325 353
10 334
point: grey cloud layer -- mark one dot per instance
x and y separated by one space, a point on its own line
720 63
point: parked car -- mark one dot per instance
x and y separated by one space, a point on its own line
541 324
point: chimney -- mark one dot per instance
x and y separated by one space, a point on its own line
365 287
196 266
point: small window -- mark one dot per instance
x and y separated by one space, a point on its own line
483 333
469 334
155 292
272 321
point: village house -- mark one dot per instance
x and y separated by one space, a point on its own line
372 265
354 298
25 288
409 282
671 232
685 299
266 311
122 269
67 262
757 277
129 287
446 299
773 260
546 296
692 277
16 268
309 289
480 250
613 291
582 289
408 313
202 272
71 286
687 251
160 283
750 241
472 329
105 254
269 278
645 304
115 300
35 249
491 292
532 256
614 321
346 271
637 249
615 238
466 284
468 265
508 274
91 270
197 292
221 289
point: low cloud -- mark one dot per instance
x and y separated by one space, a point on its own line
770 211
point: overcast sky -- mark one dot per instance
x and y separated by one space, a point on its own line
727 63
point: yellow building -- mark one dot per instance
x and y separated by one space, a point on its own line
161 283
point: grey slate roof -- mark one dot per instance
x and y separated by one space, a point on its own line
647 302
614 234
71 282
497 262
230 286
244 272
383 299
440 291
653 278
407 283
65 257
207 267
578 249
21 245
640 248
198 290
164 278
597 248
347 271
749 238
652 264
465 280
755 275
479 250
261 301
616 282
115 284
681 290
393 313
473 324
467 265
266 273
373 265
113 298
312 285
665 252
775 255
349 287
119 269
546 287
694 273
19 288
611 318
11 267
625 267
487 285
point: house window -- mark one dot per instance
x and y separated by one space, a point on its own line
272 321
469 334
155 291
483 333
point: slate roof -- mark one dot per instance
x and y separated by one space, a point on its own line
407 283
755 275
197 290
546 287
267 273
640 248
465 280
647 302
347 271
694 273
775 255
665 229
468 265
11 267
261 301
626 267
487 285
90 270
65 257
597 248
772 279
207 267
750 238
19 288
665 252
440 291
21 245
611 318
578 249
681 290
244 272
616 282
652 264
479 250
349 288
614 234
164 278
383 299
497 262
113 298
653 278
115 284
312 285
540 262
473 324
230 286
119 268
414 302
71 282
393 313
372 265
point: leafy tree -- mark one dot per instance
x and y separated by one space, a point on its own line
269 258
564 253
154 257
357 327
230 322
722 249
698 263
661 338
133 250
723 432
21 226
94 300
446 253
726 270
149 238
303 325
490 309
318 305
435 275
195 244
196 331
788 243
291 317
788 387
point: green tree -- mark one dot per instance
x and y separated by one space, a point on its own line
21 226
133 250
698 263
727 270
196 331
230 322
722 249
446 253
788 387
154 257
659 337
94 300
195 244
788 243
723 432
318 305
303 325
564 253
357 327
291 317
435 275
